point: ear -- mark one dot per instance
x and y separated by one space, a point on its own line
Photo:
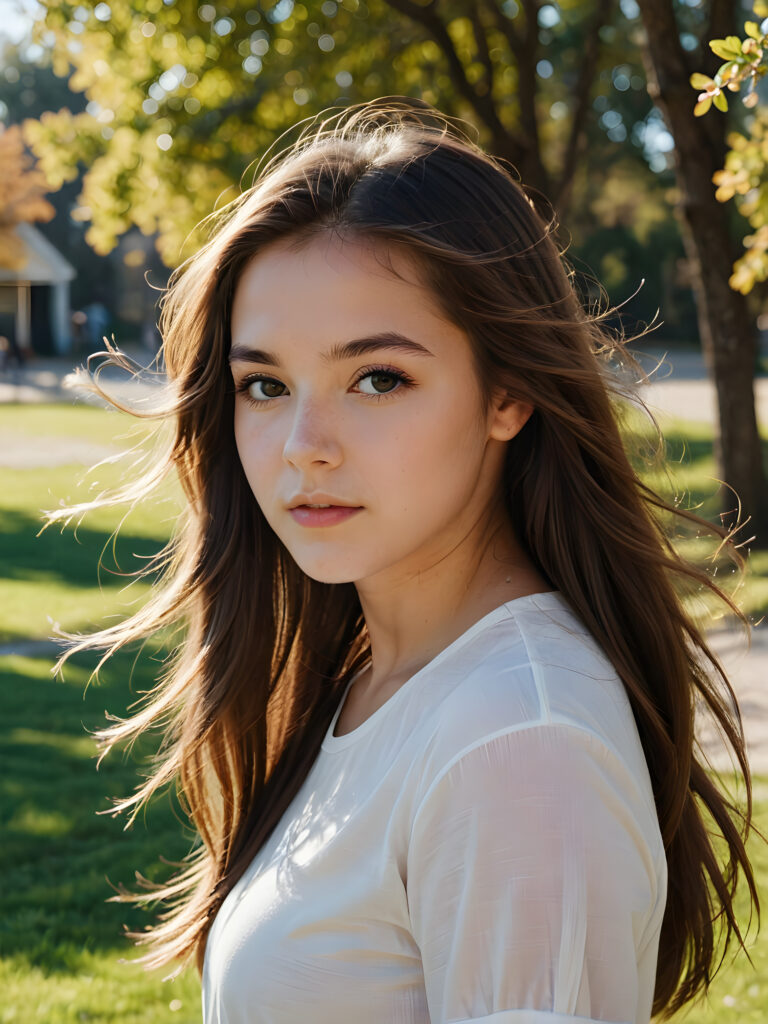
507 417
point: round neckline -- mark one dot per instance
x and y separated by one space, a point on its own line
333 743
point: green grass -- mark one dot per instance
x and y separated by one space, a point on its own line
51 578
87 422
688 476
60 940
739 991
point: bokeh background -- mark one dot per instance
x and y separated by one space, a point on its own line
123 123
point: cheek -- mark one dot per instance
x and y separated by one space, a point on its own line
431 456
256 452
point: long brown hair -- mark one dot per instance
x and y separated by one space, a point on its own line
267 651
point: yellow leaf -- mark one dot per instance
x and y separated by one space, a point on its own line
702 106
699 81
742 279
11 257
722 49
22 185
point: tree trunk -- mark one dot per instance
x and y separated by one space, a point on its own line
728 334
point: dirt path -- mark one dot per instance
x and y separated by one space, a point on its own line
20 451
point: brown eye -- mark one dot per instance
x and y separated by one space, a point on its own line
269 389
381 382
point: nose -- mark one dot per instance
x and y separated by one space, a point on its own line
313 436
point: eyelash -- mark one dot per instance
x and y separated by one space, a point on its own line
405 381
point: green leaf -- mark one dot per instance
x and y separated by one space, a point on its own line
734 43
753 29
721 48
720 101
699 81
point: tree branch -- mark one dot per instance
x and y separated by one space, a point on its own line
582 94
481 43
526 63
505 26
532 169
505 143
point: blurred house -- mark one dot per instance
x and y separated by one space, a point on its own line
36 294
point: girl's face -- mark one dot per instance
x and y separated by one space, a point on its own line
352 389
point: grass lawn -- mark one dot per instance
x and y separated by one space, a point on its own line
60 941
689 476
52 578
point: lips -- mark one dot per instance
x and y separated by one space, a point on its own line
319 499
331 516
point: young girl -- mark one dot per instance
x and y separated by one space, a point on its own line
432 716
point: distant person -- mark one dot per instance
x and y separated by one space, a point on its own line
97 324
10 351
78 322
150 336
431 704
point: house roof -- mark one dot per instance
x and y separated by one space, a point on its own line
44 263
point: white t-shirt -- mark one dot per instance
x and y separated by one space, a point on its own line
484 846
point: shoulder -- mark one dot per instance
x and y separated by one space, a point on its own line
537 670
537 664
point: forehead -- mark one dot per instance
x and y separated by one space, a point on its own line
330 253
331 286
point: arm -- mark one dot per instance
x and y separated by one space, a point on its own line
531 886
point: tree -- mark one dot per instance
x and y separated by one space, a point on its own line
581 89
28 88
22 195
182 95
746 163
725 324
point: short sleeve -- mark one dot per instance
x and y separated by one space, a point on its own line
531 883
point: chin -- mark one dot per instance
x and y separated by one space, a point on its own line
326 573
326 577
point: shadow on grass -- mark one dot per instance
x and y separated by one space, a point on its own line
693 457
681 448
57 852
70 556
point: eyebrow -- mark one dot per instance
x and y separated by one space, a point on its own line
346 350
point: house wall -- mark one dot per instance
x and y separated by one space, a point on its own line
40 309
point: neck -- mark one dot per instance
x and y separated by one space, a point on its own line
410 620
